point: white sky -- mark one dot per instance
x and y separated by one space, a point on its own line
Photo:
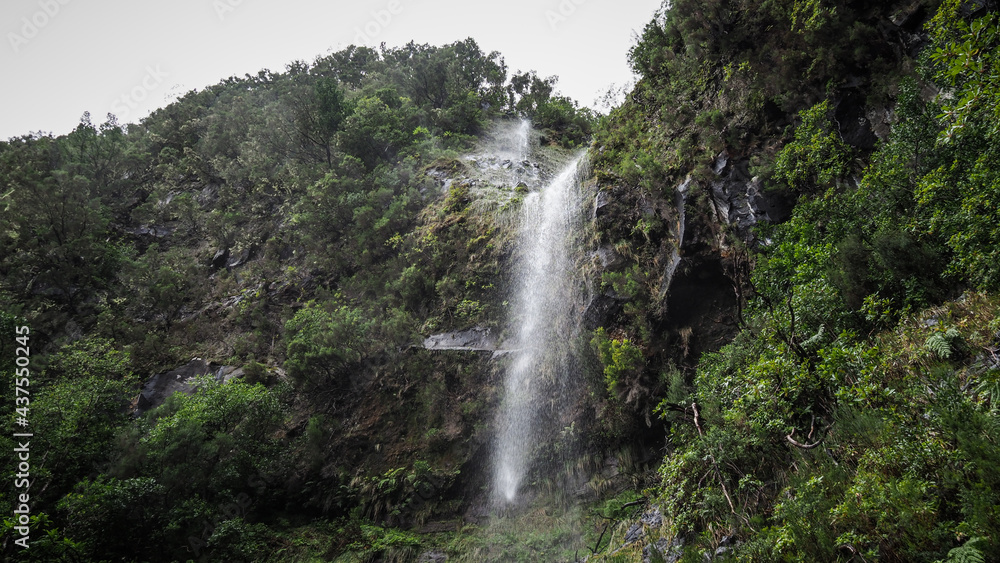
63 57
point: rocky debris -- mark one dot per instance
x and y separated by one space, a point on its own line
725 546
432 557
240 259
647 527
235 300
634 533
988 360
180 380
473 339
666 551
446 173
208 195
653 518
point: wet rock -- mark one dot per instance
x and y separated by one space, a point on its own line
477 338
634 533
852 121
720 163
740 201
599 310
432 557
610 260
220 259
601 203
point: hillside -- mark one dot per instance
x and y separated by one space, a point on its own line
775 336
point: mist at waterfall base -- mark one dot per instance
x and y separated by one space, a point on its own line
541 375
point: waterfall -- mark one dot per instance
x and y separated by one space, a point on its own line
506 158
543 325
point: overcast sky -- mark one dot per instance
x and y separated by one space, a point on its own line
63 57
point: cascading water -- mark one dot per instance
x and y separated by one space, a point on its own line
544 324
505 161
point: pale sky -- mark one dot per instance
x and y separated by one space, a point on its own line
63 57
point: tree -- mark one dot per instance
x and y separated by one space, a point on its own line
54 244
376 130
326 343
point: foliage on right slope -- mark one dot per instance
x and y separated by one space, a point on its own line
855 415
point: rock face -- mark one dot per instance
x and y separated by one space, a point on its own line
740 201
473 339
220 259
599 309
180 380
649 532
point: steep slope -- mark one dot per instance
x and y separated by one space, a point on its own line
824 163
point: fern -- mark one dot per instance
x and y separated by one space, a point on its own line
942 344
968 553
988 390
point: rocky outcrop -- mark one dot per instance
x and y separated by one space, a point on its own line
473 339
599 309
650 532
180 380
740 200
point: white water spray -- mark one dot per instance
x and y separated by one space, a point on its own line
544 325
505 159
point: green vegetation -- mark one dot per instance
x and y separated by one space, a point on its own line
850 417
822 368
291 223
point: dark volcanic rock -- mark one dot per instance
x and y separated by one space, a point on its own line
853 123
220 259
610 260
599 309
180 380
741 201
477 338
601 202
